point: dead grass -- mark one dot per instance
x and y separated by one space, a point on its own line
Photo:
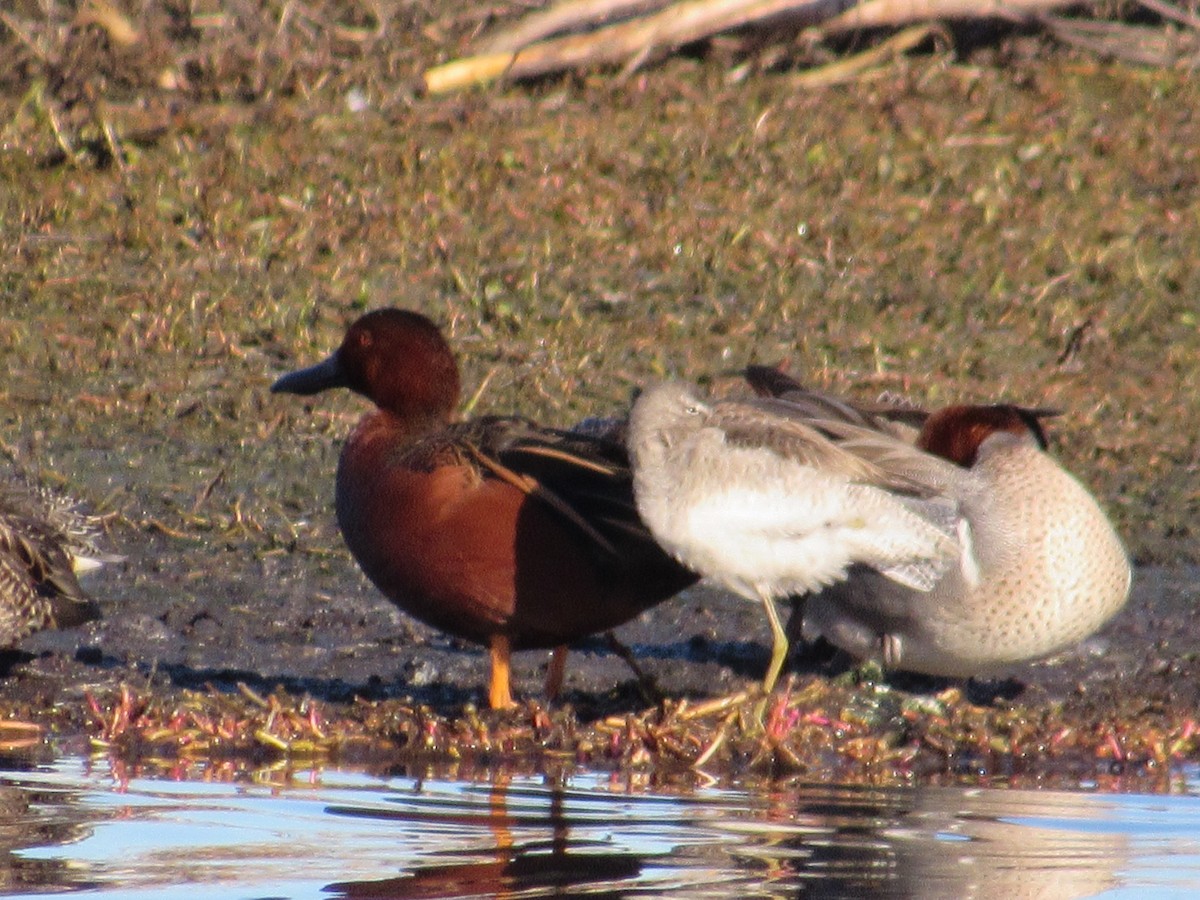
844 731
962 231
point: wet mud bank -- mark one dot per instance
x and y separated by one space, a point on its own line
286 641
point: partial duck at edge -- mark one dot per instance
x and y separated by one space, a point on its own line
45 541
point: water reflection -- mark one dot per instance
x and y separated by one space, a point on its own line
933 842
507 867
951 843
37 817
1048 845
349 835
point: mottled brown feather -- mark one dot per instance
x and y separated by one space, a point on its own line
38 587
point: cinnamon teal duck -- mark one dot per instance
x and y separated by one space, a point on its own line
494 529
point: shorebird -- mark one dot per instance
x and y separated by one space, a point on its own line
772 498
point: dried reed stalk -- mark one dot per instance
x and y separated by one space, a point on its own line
853 67
640 38
647 29
894 13
1138 44
572 15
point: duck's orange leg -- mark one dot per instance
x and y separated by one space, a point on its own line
500 686
555 671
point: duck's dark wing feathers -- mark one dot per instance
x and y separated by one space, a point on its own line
885 412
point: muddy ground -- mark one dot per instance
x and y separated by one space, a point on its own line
188 216
337 639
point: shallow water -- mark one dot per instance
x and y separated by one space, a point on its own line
77 825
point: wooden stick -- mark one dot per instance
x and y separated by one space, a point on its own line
635 40
843 70
1141 45
572 15
1172 12
679 24
893 13
466 72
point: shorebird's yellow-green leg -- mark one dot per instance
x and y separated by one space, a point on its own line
779 645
